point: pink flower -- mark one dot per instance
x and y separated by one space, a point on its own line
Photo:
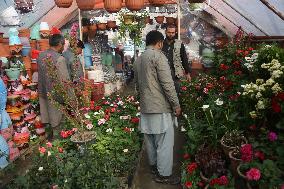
42 150
205 90
272 136
60 150
282 187
223 180
259 155
253 174
246 151
89 126
75 129
101 122
184 88
49 144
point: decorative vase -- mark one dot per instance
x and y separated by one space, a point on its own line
24 6
113 6
235 162
35 35
43 44
102 26
63 3
134 5
160 19
157 3
86 4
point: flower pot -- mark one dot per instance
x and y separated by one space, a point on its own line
13 73
196 1
160 19
235 162
147 20
25 32
134 5
157 3
4 50
128 18
34 67
63 3
170 20
27 61
113 6
43 44
1 37
111 24
102 26
26 51
24 6
86 4
196 66
15 49
226 148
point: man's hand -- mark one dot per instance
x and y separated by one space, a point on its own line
178 112
188 77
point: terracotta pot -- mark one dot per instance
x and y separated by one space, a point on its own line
160 19
33 44
44 34
86 4
197 66
92 28
63 3
1 37
24 6
111 24
157 3
170 20
128 18
15 49
134 5
113 6
25 32
27 61
235 162
4 50
102 26
196 1
34 67
43 44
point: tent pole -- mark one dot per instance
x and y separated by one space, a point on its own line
271 7
245 17
81 38
178 17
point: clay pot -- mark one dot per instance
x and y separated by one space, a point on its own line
160 19
43 44
63 3
147 20
15 49
170 20
92 28
134 5
4 50
111 24
44 34
86 4
196 66
102 26
27 61
196 1
113 6
128 18
25 32
157 3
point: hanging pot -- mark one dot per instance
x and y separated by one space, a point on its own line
134 5
63 3
113 6
160 19
196 1
24 6
86 4
25 32
102 26
170 20
147 20
111 24
157 3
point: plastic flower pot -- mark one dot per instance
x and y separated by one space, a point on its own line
26 51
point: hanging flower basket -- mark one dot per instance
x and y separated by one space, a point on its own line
63 3
196 1
157 3
113 6
134 5
24 6
86 4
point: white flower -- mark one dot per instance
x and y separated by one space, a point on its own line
111 105
40 168
270 82
248 59
48 153
259 81
219 102
258 95
89 126
185 116
66 181
254 56
125 117
120 103
131 129
276 74
96 113
101 122
87 116
260 105
109 130
253 114
204 107
276 88
125 150
138 114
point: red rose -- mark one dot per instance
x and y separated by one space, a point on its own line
214 182
112 110
224 67
64 134
260 155
246 152
223 180
98 108
186 156
184 88
135 120
238 72
107 116
188 184
250 49
60 150
126 129
191 167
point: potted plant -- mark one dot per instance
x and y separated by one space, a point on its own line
231 140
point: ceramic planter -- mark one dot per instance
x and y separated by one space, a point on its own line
113 6
160 19
86 4
13 73
134 5
63 3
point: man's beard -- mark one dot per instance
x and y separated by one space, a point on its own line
170 38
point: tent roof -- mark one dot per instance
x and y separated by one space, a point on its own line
253 16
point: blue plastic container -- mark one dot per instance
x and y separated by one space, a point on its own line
88 50
26 51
